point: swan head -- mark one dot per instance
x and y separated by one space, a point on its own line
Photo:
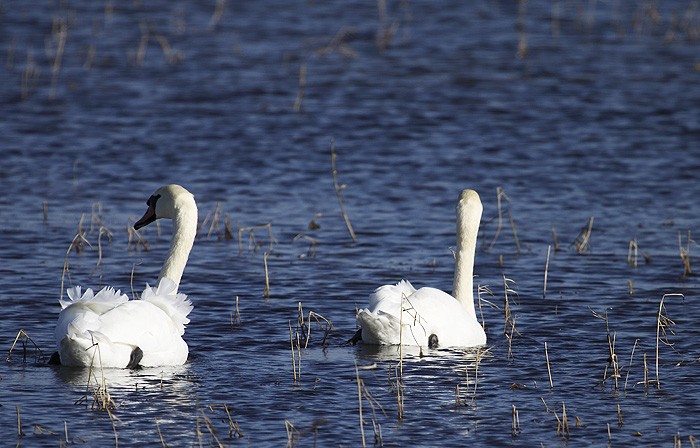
469 203
166 202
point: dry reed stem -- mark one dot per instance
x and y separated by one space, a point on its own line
78 239
338 44
565 421
629 367
515 422
29 75
294 358
210 427
300 92
60 33
218 14
582 241
160 435
338 192
619 415
684 253
520 26
236 315
292 433
323 323
555 240
266 291
135 239
385 31
103 231
20 433
233 428
113 419
546 269
549 370
359 402
252 240
632 250
663 324
23 337
311 251
506 303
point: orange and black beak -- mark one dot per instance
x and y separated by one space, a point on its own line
150 214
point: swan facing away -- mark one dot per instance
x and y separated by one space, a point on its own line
110 330
400 314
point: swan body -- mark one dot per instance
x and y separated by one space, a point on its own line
110 330
400 314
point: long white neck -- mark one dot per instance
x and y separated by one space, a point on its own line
469 211
184 232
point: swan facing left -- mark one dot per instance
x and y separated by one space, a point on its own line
110 330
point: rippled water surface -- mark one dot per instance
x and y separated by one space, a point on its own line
575 110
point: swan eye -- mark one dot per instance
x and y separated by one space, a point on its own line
151 202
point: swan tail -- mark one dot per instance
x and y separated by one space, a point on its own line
379 328
391 293
103 301
176 305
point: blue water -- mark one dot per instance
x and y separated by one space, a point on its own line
596 116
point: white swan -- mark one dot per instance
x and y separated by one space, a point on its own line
110 330
431 317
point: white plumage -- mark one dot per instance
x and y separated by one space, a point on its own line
110 330
400 314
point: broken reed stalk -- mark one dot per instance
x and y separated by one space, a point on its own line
20 433
632 253
236 315
619 415
24 337
515 232
549 370
252 241
564 421
662 323
582 241
499 193
546 269
218 14
311 251
555 240
629 367
359 402
506 303
266 291
300 92
520 26
113 419
160 435
77 241
515 422
294 358
210 427
684 253
292 433
338 192
103 231
60 33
